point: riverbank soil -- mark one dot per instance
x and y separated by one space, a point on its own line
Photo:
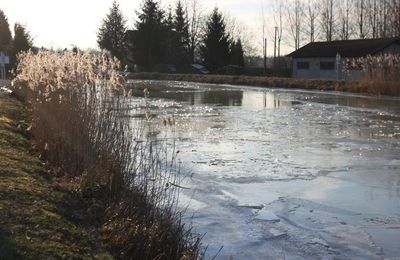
39 219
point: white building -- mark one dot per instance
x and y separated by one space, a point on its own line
3 61
326 60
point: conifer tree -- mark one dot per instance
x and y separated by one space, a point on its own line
170 39
181 28
22 42
112 33
22 39
237 53
5 33
147 42
215 48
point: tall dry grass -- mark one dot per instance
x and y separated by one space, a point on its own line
77 102
380 74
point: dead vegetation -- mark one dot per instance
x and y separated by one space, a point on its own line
76 104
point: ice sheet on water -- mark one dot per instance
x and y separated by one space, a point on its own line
319 163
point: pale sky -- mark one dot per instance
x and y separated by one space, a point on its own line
61 24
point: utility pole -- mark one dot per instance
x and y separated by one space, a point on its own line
265 55
276 32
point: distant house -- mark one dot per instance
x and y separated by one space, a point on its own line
326 60
4 60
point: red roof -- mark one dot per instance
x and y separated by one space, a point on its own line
347 48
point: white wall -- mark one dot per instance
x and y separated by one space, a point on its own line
314 72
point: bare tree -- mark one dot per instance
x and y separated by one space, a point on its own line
328 19
278 16
194 11
311 12
383 19
264 39
360 7
394 18
294 17
345 20
238 30
372 11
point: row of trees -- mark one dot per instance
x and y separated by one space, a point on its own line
303 21
170 37
22 41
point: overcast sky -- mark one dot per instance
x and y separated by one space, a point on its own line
61 24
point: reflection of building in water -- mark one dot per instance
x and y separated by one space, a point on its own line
267 99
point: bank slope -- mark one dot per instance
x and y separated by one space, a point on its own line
37 217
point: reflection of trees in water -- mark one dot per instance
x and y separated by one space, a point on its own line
264 99
192 96
225 98
271 100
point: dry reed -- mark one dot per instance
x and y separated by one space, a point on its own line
379 74
77 101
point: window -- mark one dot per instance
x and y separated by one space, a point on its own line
327 65
303 65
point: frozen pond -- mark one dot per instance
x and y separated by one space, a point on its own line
285 174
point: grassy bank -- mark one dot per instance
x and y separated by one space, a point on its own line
38 218
364 87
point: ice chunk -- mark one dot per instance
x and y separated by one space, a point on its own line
267 215
319 241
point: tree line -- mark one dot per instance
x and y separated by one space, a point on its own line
170 37
13 44
297 22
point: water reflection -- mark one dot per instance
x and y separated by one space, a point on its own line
264 99
216 95
222 98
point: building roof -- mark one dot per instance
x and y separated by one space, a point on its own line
348 48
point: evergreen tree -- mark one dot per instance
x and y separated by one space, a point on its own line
147 42
22 39
170 39
215 51
5 33
181 28
22 42
237 53
112 33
